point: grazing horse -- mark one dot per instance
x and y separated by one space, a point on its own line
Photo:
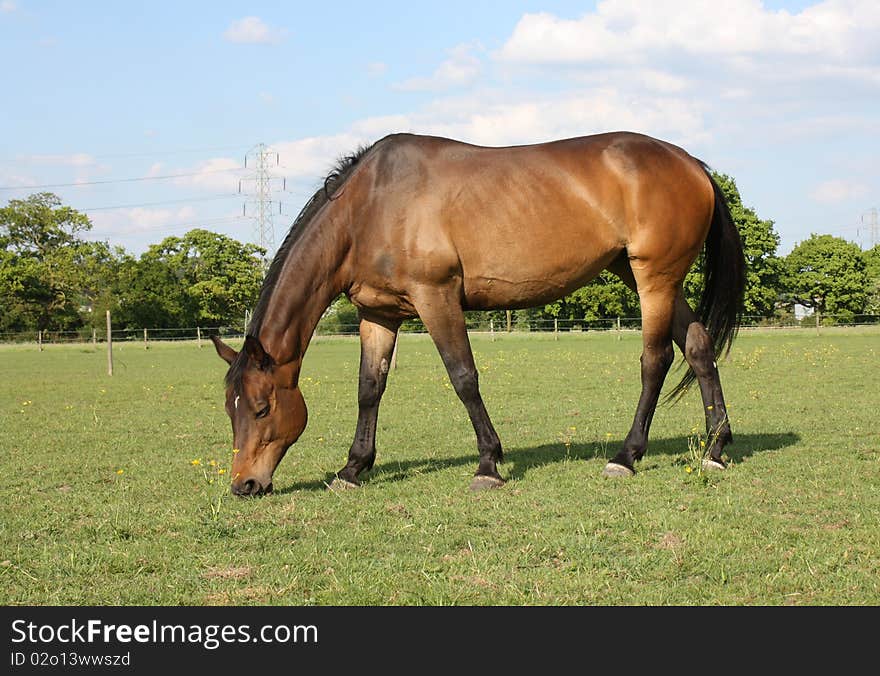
430 227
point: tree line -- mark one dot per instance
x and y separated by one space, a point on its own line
53 279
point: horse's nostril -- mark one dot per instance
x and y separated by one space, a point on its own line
249 487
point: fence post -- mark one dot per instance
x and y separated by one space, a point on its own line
817 322
555 329
618 328
509 313
492 329
109 346
199 337
94 337
145 339
40 339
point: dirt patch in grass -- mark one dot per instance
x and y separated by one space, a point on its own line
228 573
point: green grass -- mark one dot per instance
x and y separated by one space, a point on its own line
793 521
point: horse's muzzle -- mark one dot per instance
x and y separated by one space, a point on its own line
250 488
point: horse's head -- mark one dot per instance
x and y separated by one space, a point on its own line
267 410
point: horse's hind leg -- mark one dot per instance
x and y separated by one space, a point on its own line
377 346
658 300
440 310
695 343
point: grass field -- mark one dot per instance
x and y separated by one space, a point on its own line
113 489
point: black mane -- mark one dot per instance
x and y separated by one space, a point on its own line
332 182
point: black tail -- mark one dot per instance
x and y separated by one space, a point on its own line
724 283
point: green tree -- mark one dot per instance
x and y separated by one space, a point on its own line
760 242
827 273
604 297
43 263
26 296
872 270
40 224
148 294
200 279
340 317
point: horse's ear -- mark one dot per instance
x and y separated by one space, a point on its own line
226 353
254 349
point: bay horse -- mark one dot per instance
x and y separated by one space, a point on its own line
422 226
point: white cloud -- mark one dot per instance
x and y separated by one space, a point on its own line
460 69
830 126
85 167
312 157
488 119
305 159
140 220
253 30
838 190
16 180
628 30
372 128
74 160
219 173
7 6
376 68
659 81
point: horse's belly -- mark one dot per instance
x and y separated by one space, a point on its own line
508 279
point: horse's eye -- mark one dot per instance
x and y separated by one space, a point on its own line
263 412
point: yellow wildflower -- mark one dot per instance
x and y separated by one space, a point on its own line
196 462
120 471
688 469
221 471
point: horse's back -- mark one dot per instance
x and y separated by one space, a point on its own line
524 225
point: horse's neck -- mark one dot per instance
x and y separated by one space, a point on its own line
312 276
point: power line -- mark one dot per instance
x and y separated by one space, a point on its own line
117 180
154 153
171 152
166 227
870 219
153 204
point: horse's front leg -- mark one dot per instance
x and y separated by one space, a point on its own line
377 345
442 314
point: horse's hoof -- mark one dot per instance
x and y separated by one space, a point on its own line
339 485
484 482
614 469
713 465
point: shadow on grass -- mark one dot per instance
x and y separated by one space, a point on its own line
518 461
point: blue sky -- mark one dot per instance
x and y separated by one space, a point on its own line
784 96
